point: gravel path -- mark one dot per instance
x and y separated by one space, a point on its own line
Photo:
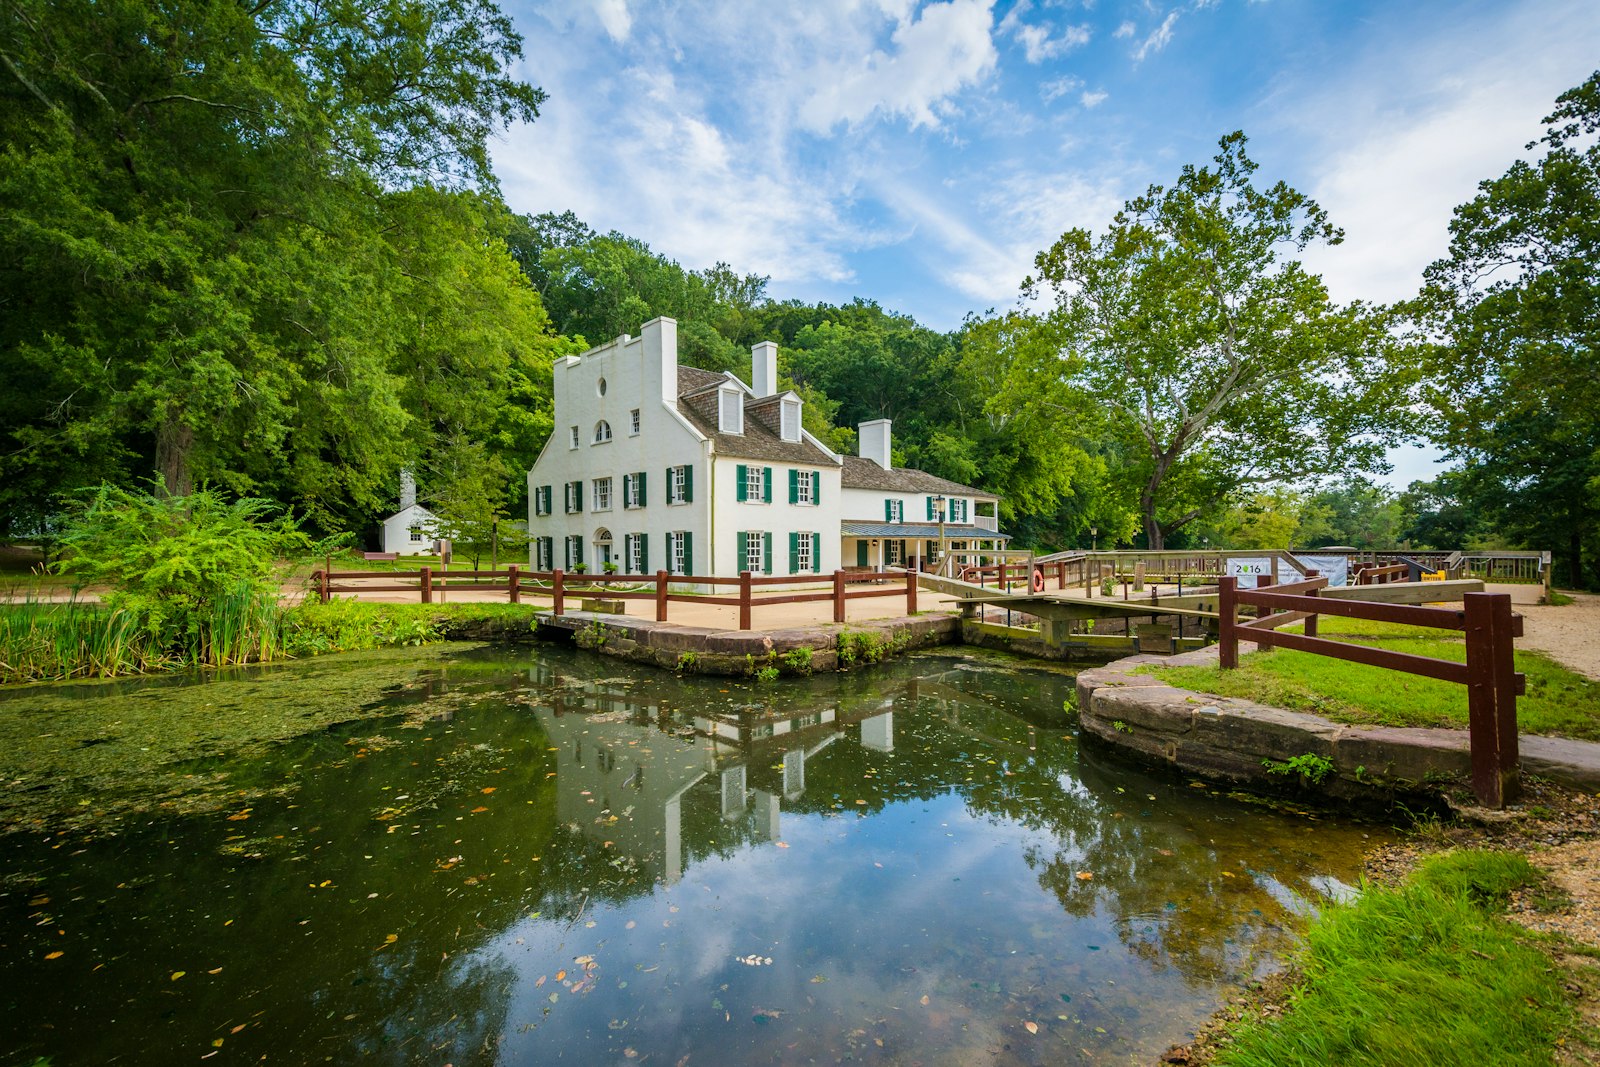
1570 634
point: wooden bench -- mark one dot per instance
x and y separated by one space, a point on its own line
377 557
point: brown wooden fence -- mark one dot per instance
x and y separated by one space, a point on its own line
1493 684
562 585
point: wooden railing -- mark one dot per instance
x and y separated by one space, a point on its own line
1370 575
560 585
1492 682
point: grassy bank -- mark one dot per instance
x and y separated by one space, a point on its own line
62 642
1558 701
1426 972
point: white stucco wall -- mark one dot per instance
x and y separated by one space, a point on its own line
779 517
397 531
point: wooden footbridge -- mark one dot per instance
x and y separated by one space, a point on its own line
1174 621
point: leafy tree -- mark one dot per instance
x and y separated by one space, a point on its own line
1354 512
1220 364
1514 375
196 261
1436 514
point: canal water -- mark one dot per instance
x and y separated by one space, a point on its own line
542 856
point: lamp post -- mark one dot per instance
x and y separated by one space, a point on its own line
938 509
1094 538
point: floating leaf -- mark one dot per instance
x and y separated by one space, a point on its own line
924 1000
56 955
478 809
490 789
177 975
1032 1027
1085 876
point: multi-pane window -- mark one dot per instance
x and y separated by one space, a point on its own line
803 558
541 554
574 551
958 509
634 415
680 560
894 511
753 541
752 482
602 432
416 535
602 494
635 550
573 442
633 490
573 496
680 484
896 553
805 487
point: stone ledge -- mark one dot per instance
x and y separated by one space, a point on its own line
1232 739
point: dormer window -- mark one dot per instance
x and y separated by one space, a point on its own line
730 411
790 420
602 432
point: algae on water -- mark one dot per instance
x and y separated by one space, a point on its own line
84 757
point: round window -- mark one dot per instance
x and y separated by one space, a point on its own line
602 387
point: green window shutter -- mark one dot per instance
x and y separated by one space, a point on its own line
930 508
766 485
669 486
888 511
861 553
577 545
688 550
688 484
794 551
644 549
743 550
740 494
639 498
794 489
816 553
577 503
766 546
816 487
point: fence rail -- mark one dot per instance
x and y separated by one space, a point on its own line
561 585
1492 682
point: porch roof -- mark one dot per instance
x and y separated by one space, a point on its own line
897 530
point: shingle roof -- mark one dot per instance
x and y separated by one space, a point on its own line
865 474
693 380
697 403
919 529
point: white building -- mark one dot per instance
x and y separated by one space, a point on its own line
655 466
412 530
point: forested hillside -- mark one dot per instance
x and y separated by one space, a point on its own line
261 248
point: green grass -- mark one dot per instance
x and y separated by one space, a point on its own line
1425 973
1558 701
345 625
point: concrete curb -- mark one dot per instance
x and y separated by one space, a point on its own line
1232 739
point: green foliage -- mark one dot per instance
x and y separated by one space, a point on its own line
798 660
346 625
1309 766
1215 360
687 661
58 641
767 674
1121 727
200 574
1423 973
865 646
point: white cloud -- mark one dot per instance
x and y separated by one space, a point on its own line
1051 91
1093 99
1127 29
615 18
946 48
1158 38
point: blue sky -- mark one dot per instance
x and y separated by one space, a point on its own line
920 154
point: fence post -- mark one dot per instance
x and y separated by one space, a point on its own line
744 600
558 592
1491 699
513 584
838 596
661 596
427 585
322 585
911 593
1227 640
1311 620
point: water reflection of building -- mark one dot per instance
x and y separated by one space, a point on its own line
626 768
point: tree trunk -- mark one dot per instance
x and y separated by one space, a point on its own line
1575 560
174 443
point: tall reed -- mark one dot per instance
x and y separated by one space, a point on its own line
57 641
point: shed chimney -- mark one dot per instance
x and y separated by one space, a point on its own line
408 490
764 368
873 441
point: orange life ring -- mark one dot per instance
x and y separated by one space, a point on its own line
1038 580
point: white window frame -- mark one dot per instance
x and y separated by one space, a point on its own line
416 535
802 555
754 483
600 489
634 543
805 487
675 551
630 494
755 556
893 552
574 438
897 511
602 432
675 487
730 411
634 416
789 420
